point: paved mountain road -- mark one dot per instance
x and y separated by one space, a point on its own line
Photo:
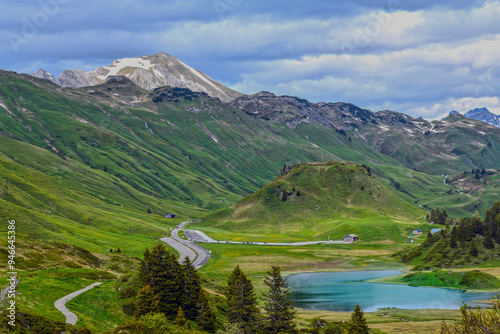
197 254
60 304
202 237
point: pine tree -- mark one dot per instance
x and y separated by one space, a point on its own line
279 310
453 241
488 241
206 316
473 249
190 288
162 272
146 302
242 303
358 324
144 276
180 319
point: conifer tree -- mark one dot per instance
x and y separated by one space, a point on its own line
358 324
488 241
473 248
190 288
147 302
180 319
453 241
162 272
206 316
242 303
279 310
144 277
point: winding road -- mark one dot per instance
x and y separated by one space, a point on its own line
197 254
60 304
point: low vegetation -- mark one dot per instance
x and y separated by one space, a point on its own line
477 321
446 278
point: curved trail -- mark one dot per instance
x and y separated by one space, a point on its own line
60 304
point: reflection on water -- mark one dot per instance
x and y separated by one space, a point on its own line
341 291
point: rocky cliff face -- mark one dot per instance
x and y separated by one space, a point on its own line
148 72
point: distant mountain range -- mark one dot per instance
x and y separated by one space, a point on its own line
148 72
480 114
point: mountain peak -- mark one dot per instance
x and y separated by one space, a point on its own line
43 74
148 72
478 110
484 115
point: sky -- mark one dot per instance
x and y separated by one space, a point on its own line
420 57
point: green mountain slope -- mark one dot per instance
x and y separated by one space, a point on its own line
85 156
314 200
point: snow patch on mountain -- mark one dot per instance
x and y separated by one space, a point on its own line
120 64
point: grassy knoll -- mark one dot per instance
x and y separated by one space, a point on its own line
314 201
460 279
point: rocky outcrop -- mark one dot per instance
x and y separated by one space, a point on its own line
294 110
78 78
42 74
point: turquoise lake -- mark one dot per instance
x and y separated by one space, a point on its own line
341 291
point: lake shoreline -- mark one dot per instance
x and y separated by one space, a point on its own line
340 290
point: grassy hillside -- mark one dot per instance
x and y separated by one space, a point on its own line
317 200
466 242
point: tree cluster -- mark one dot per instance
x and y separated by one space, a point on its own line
437 217
173 289
467 241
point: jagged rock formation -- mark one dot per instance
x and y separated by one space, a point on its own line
148 72
42 74
479 114
484 115
293 110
